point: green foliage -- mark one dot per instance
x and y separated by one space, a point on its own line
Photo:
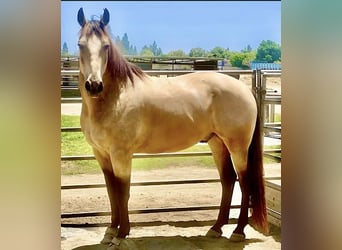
177 53
242 59
268 51
155 49
151 50
218 52
236 59
197 52
249 57
146 51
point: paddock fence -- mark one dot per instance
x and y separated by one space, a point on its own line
266 99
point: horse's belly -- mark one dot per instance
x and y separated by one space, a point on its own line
162 146
162 139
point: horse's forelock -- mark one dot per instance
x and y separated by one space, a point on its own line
94 27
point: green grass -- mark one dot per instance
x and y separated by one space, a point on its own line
277 117
70 121
74 143
68 93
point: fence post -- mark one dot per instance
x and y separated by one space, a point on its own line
260 94
262 104
272 113
254 87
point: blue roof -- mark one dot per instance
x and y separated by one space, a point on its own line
267 66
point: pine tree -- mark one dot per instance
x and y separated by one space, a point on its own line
125 44
65 50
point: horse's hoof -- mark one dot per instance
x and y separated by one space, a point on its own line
122 244
213 234
114 244
109 235
237 237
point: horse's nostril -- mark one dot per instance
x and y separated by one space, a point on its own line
87 85
100 88
93 87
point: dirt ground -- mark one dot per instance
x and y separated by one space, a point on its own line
177 230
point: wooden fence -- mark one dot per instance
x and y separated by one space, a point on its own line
265 99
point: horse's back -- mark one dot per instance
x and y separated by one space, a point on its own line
226 91
197 105
201 93
215 82
233 109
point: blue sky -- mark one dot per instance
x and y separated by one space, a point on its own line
180 25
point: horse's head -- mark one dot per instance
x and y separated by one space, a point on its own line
94 44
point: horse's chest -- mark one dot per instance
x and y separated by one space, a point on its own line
97 137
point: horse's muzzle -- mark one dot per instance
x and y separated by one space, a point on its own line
94 87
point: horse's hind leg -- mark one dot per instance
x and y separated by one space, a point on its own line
240 159
227 177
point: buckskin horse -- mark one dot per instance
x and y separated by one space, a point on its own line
125 111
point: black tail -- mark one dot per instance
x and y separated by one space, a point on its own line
256 177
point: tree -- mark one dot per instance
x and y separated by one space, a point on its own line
218 52
65 50
268 51
248 58
125 46
155 49
197 52
146 51
177 53
236 59
242 59
247 49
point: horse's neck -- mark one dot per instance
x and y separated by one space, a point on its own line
96 108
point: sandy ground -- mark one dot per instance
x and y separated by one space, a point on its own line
165 238
177 230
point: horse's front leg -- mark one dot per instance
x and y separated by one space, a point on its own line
121 161
108 172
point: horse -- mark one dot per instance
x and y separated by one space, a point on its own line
125 111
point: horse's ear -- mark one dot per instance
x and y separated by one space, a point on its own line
80 17
105 17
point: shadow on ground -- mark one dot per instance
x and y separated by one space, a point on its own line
141 240
176 242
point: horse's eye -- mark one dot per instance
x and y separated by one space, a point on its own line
80 45
106 46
